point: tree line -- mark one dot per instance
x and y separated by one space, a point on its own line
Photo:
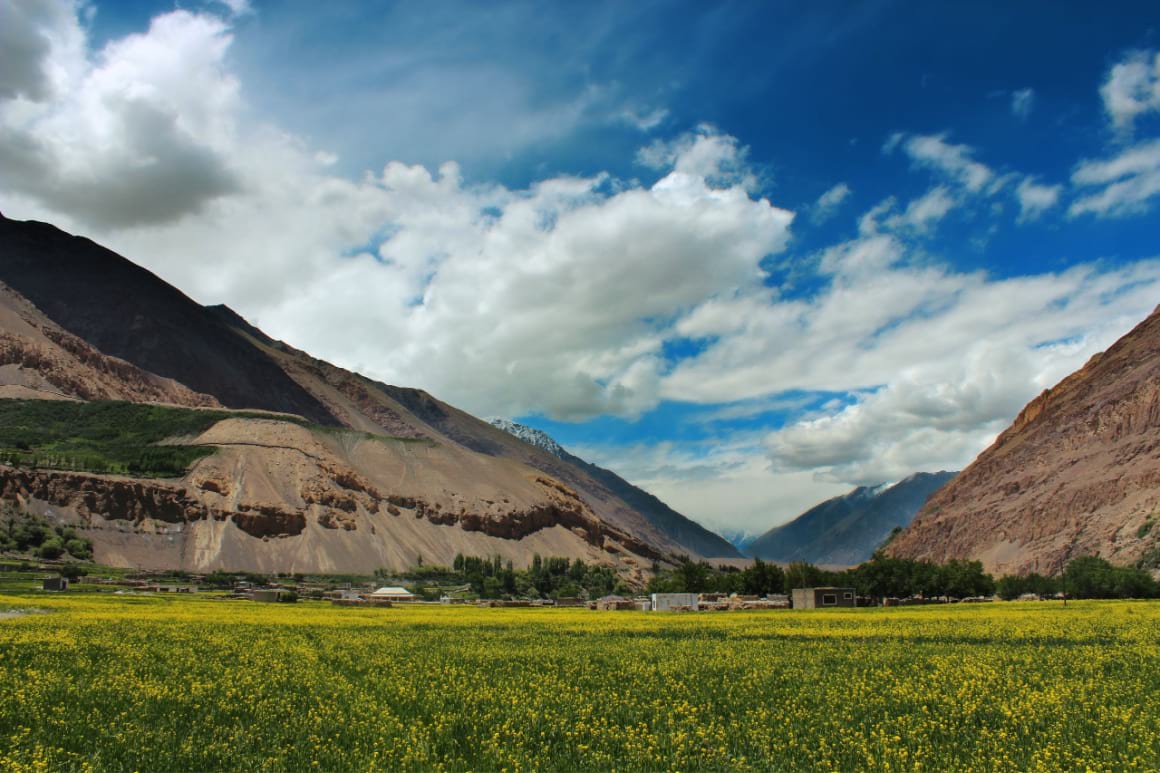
885 577
493 578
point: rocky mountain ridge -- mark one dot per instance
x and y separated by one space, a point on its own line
1077 473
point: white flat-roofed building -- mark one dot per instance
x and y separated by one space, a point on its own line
392 594
667 602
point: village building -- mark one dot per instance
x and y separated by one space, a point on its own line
343 594
170 588
392 593
271 595
56 583
671 602
819 598
613 603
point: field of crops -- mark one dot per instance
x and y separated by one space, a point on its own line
152 683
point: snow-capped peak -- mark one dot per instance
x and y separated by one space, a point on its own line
531 435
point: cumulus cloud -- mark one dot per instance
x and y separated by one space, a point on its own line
142 133
1022 103
40 43
704 152
1035 199
829 202
1122 185
938 361
150 149
1132 88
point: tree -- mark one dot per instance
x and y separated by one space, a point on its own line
1089 577
73 572
51 549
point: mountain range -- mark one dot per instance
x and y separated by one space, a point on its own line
291 464
847 529
313 468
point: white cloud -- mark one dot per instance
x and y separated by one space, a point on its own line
143 134
1126 183
954 162
924 212
724 484
644 120
829 202
704 153
1022 103
1132 89
41 45
237 7
1035 199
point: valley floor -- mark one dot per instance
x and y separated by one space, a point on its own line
106 682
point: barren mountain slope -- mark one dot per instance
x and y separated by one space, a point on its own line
39 360
374 406
102 299
1078 473
126 312
689 534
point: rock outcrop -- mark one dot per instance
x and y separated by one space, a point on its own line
1077 473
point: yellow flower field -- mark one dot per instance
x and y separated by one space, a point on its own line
100 682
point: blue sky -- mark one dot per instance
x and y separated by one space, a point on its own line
747 254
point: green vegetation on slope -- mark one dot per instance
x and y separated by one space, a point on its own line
107 436
111 436
27 533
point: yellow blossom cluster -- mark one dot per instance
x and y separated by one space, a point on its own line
102 682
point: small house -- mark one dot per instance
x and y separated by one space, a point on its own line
393 593
56 583
613 603
820 598
670 602
271 595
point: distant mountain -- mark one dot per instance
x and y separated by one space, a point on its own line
1077 473
740 539
688 534
846 530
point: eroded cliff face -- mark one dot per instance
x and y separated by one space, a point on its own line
296 498
1077 473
